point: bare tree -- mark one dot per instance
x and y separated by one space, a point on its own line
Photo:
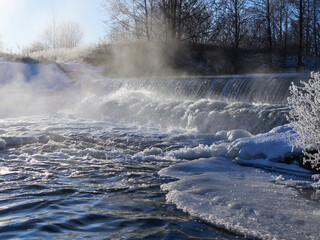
160 19
315 27
237 27
49 36
62 35
69 35
234 25
35 46
131 18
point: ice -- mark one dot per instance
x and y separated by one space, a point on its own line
152 151
243 200
247 201
2 144
201 151
12 141
233 134
276 144
271 151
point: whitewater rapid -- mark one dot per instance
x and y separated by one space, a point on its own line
92 156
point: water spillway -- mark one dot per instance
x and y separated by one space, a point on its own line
256 103
265 88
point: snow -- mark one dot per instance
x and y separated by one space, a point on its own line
202 151
234 134
247 201
276 144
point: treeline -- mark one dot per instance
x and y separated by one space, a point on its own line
271 27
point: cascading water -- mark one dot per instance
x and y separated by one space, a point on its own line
120 158
258 88
252 102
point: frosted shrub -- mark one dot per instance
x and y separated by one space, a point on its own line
304 102
65 55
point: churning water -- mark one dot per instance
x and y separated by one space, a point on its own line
86 166
67 178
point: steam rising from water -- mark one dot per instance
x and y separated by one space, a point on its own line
203 104
143 59
30 88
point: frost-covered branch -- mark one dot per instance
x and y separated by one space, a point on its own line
304 102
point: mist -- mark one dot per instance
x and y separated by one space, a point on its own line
28 89
143 59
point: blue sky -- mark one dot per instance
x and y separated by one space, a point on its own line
22 21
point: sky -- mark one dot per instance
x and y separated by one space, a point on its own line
23 21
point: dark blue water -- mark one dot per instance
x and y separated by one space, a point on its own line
74 179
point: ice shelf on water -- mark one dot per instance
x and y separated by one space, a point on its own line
248 201
243 200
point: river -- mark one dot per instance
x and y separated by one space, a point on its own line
102 158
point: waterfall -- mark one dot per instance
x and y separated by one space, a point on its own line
258 88
255 103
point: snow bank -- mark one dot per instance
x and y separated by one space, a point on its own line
274 145
233 134
269 151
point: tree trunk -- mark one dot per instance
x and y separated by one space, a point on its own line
285 40
300 36
146 19
269 34
315 20
236 37
179 27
